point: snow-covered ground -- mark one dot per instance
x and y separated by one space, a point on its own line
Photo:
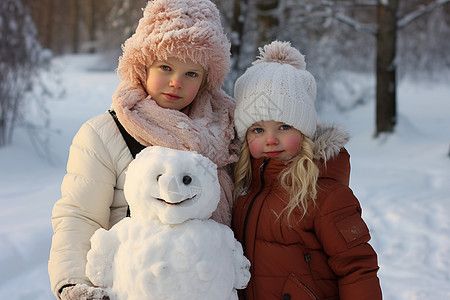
402 181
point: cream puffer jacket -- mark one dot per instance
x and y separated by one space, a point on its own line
92 197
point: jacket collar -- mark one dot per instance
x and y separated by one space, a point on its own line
332 158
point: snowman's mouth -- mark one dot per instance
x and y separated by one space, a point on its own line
176 203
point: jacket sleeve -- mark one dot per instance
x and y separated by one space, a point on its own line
344 237
87 194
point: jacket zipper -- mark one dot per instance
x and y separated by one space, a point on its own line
247 215
311 293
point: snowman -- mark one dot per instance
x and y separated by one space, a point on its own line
169 248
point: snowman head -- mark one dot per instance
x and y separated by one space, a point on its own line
171 185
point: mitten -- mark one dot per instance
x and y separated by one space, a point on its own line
84 292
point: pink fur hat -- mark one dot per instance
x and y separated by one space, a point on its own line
177 28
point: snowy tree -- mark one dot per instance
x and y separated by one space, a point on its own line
313 26
389 22
122 19
336 36
253 23
21 61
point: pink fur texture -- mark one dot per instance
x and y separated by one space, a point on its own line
182 29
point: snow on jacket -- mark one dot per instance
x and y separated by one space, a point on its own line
324 256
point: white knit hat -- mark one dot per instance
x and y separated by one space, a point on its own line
276 88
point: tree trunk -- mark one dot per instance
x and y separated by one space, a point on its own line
237 28
386 115
90 24
48 31
267 20
75 28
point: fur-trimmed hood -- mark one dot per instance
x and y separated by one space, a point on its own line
329 140
330 154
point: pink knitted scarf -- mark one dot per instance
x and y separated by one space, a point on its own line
205 127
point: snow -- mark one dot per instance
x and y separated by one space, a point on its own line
402 181
169 249
187 180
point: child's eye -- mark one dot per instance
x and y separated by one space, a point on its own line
285 127
192 74
257 130
165 68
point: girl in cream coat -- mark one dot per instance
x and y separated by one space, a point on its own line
171 72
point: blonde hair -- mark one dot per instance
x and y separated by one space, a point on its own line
299 178
242 171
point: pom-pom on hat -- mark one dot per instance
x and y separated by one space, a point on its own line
181 29
276 88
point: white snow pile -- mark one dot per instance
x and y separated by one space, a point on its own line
169 248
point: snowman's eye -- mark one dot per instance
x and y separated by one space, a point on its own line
157 177
187 179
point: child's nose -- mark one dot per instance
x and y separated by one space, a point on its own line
272 140
176 82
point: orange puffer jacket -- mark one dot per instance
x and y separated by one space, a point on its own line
324 256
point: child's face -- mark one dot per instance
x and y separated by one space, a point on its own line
273 140
173 83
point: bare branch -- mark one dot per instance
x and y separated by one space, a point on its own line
333 4
348 4
329 11
422 10
368 28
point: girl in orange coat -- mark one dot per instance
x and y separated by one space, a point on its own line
296 217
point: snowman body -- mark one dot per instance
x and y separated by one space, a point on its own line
169 248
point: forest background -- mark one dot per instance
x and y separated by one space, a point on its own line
382 40
335 36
